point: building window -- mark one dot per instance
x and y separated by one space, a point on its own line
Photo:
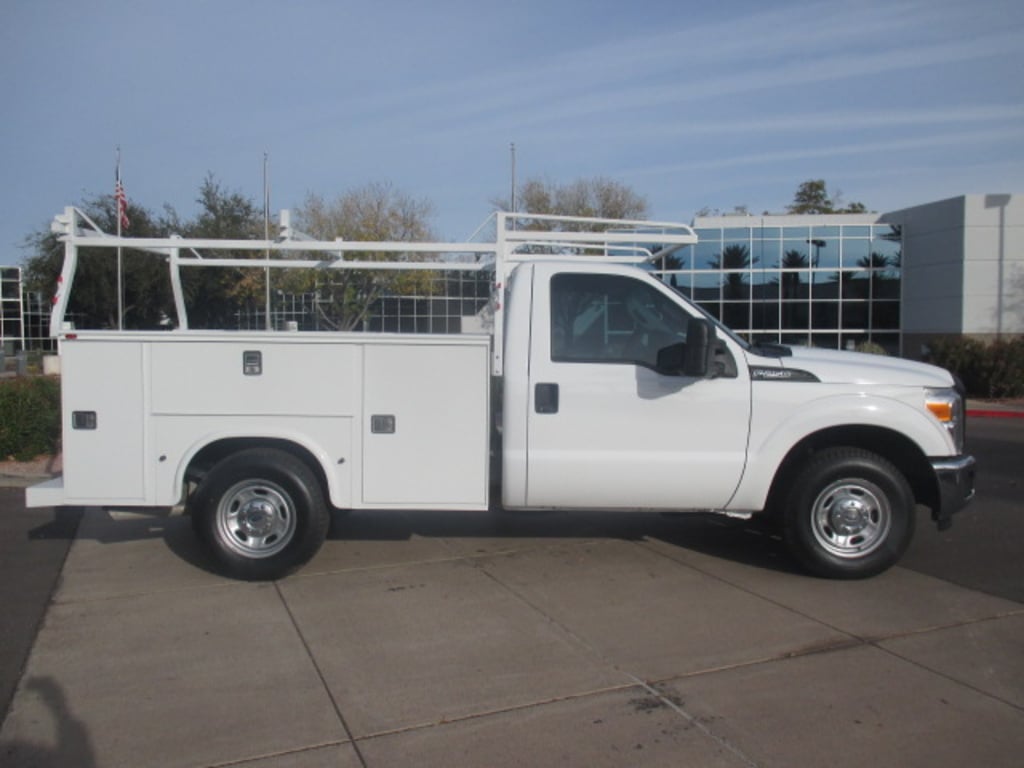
832 285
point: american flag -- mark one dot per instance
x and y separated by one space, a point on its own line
122 200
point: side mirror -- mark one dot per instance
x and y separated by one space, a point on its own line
672 359
700 347
695 356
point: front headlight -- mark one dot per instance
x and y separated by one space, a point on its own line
947 406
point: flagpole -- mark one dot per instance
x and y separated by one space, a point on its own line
117 215
512 200
266 231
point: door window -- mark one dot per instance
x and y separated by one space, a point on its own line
611 319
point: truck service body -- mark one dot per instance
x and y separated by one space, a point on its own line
614 392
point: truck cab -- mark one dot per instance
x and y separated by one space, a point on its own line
620 394
592 420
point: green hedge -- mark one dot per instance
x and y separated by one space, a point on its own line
29 417
994 370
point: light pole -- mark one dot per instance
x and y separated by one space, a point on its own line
512 199
818 244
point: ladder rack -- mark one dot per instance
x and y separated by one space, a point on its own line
519 238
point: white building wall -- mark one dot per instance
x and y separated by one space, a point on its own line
963 268
993 264
932 267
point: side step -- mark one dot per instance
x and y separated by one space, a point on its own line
49 493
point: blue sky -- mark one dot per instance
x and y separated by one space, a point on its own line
694 105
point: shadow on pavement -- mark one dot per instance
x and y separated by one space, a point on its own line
740 541
73 745
62 525
744 542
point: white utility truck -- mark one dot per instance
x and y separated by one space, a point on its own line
595 385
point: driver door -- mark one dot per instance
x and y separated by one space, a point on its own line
605 429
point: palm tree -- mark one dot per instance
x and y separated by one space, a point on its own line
875 265
670 262
790 282
733 258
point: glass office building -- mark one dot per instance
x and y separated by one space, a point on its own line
12 330
825 280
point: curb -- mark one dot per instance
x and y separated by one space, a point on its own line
22 481
985 413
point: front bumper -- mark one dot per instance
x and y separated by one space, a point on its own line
955 478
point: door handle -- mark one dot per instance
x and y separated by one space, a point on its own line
545 398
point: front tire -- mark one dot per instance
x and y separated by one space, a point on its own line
849 514
261 513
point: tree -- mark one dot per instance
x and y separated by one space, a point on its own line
737 210
147 298
597 197
733 260
813 197
791 280
225 215
374 212
215 296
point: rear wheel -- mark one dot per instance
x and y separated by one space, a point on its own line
849 514
261 512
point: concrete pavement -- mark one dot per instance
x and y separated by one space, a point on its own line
445 639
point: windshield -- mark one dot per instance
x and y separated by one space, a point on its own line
723 328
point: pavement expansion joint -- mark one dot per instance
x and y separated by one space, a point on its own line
498 712
877 639
675 704
319 672
251 759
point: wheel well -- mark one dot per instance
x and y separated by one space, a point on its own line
889 444
216 451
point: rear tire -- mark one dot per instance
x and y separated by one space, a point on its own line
261 513
849 514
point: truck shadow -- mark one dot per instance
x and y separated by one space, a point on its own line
739 541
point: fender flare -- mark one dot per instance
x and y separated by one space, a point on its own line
307 449
840 413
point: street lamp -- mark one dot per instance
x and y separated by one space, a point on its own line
818 245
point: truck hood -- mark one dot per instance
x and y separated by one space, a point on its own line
836 367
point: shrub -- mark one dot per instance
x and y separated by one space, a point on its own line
29 417
1006 368
987 370
871 348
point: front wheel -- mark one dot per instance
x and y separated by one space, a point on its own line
849 515
261 512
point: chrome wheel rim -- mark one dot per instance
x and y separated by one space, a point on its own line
256 518
851 518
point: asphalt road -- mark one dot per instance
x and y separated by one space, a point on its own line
984 549
33 545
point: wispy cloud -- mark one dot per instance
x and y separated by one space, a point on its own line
816 123
869 148
791 46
